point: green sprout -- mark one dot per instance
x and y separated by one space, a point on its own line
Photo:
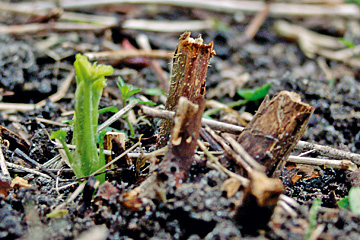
314 210
347 43
126 90
353 1
351 202
90 81
248 95
253 94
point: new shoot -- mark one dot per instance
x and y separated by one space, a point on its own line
90 81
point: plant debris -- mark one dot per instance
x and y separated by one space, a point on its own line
231 153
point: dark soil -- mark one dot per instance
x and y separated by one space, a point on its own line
199 208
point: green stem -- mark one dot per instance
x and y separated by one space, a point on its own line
238 103
70 157
85 136
131 127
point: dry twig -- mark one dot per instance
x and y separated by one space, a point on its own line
214 163
257 21
43 120
122 54
328 151
230 6
230 128
58 26
117 115
20 107
33 10
3 166
167 26
313 43
216 125
327 163
25 169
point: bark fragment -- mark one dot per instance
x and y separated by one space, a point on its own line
187 124
176 164
188 76
275 130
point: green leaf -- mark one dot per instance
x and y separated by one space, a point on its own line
220 25
111 129
347 43
154 92
314 210
59 134
67 121
124 91
147 103
344 203
108 109
254 94
120 83
57 213
102 161
133 91
353 1
90 73
354 200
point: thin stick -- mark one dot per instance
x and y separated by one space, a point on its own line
62 153
287 208
306 153
122 54
290 201
257 21
61 91
277 9
24 169
3 166
117 115
43 120
225 127
167 26
317 232
72 197
52 161
65 16
214 160
328 151
72 147
57 26
66 186
34 163
328 163
20 107
216 125
244 155
234 155
67 170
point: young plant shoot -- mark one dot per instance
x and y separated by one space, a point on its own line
90 81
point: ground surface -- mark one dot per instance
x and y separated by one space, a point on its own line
199 209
